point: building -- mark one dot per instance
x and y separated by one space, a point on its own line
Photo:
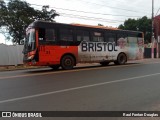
157 26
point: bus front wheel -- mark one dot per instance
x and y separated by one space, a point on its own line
121 59
67 62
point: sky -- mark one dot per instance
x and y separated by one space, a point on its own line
105 12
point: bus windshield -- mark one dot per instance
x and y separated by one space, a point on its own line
30 41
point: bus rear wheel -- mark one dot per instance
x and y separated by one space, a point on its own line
121 59
67 62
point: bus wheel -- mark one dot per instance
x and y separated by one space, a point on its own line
104 63
67 62
121 59
55 67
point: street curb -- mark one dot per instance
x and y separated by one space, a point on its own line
21 67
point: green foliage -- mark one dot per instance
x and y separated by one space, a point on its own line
16 15
142 24
2 12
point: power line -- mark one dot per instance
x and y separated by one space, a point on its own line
72 10
84 17
88 19
122 3
111 7
128 10
92 18
93 12
157 11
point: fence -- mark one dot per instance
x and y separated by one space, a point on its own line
11 54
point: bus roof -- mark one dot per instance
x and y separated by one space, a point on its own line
36 23
93 26
40 23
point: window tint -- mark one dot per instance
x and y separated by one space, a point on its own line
110 37
121 35
82 35
41 34
97 37
122 40
50 35
66 34
46 36
132 34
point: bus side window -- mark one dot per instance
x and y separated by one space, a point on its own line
122 39
97 37
110 37
41 34
132 37
50 35
82 35
66 34
46 36
121 36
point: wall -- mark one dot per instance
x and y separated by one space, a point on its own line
11 54
147 53
157 26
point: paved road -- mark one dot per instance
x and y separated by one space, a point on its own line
131 87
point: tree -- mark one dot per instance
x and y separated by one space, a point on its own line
99 24
3 11
16 15
142 24
47 15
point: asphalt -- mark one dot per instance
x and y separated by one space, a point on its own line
131 87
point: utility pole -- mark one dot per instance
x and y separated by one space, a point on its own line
152 38
152 18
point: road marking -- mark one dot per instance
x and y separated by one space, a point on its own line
67 71
76 88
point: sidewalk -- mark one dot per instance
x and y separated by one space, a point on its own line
147 60
19 67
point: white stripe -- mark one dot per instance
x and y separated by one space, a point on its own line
76 88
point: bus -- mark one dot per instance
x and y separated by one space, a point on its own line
64 45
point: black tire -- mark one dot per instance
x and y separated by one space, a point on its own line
116 63
67 62
55 67
104 63
121 59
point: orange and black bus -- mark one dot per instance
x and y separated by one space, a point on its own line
56 44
